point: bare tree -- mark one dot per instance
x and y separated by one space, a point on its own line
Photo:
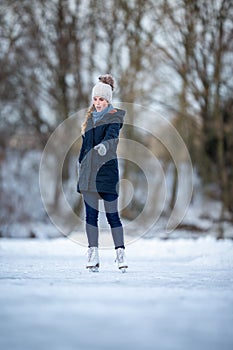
197 45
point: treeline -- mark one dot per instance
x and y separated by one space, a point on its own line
171 55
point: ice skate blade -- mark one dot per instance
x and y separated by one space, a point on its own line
122 269
93 269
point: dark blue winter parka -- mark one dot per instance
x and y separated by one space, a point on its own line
100 173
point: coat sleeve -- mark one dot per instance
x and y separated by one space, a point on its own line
81 154
111 135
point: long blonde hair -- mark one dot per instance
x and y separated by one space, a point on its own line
87 116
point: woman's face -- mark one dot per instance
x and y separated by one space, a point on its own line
100 103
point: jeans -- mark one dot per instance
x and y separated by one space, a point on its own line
91 201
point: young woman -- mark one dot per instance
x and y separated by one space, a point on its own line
98 169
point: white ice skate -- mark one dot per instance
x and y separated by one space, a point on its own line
93 259
121 259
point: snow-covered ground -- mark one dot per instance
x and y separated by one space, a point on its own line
176 294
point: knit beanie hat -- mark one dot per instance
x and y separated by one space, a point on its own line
102 90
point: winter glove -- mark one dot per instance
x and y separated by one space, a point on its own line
101 149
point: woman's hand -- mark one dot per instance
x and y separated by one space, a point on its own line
101 149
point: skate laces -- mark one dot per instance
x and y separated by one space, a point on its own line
120 255
91 253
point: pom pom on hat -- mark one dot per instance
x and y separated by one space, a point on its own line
107 79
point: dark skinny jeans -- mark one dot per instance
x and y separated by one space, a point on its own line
91 201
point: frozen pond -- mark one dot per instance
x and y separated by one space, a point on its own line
176 294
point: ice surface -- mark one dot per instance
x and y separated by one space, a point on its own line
176 294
